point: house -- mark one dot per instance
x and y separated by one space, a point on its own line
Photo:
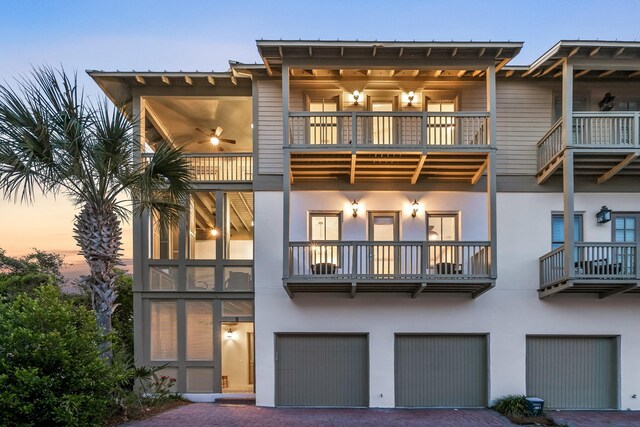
407 224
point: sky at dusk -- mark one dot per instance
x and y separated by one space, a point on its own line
204 35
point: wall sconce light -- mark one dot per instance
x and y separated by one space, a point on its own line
410 97
356 97
604 215
229 335
214 232
355 207
414 208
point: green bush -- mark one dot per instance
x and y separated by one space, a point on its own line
513 405
51 372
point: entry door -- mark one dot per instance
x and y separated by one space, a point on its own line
383 228
250 357
381 126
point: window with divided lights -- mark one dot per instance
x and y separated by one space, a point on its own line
443 227
557 229
441 127
323 129
325 227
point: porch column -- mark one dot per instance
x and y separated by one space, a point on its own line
286 183
491 171
567 168
140 228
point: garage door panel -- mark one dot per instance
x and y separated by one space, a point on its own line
441 370
573 372
322 370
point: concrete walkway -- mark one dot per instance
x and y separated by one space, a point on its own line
208 414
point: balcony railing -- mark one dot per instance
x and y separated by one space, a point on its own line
396 129
601 261
363 260
218 167
592 130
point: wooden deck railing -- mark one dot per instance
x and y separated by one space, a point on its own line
398 129
218 167
592 261
363 260
613 129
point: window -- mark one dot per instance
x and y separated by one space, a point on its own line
557 229
202 225
199 330
625 227
325 226
441 126
164 331
238 225
442 227
164 239
201 278
163 278
323 129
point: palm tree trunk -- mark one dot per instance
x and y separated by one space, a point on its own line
98 234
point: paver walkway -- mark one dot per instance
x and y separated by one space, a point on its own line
597 418
208 414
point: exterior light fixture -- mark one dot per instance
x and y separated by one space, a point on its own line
214 232
356 97
414 208
604 215
410 96
229 335
355 208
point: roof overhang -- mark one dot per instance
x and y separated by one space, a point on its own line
385 54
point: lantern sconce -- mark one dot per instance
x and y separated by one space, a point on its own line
415 206
355 207
356 97
604 215
229 335
410 97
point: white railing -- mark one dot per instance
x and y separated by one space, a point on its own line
358 260
217 167
398 129
611 129
592 261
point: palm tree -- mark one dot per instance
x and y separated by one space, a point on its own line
54 141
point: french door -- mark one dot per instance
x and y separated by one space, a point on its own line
383 256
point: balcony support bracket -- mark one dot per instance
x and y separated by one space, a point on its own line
554 289
617 291
550 169
482 290
617 168
418 290
287 289
354 287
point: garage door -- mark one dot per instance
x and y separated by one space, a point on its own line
441 370
573 372
322 370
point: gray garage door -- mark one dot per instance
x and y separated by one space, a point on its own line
441 370
573 372
322 370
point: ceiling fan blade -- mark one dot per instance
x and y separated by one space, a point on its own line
228 141
217 131
203 141
207 134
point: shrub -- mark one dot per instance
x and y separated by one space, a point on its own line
51 372
513 405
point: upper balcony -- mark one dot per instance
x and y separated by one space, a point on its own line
602 268
217 167
367 145
604 144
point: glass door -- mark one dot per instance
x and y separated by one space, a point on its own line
381 126
383 228
625 229
237 357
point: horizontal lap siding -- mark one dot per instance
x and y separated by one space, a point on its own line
441 371
523 116
270 127
573 372
322 370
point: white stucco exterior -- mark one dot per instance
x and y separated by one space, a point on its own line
507 313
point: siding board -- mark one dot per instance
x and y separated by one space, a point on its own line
270 140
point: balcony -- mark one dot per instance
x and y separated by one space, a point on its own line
411 267
402 146
602 268
604 144
217 167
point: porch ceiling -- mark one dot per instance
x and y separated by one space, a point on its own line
367 166
602 164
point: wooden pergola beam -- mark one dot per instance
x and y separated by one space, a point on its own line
188 80
606 73
617 168
573 52
594 52
437 73
462 73
552 67
211 80
581 73
509 73
141 80
165 80
618 52
502 64
634 74
418 171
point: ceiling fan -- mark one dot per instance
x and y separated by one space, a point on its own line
213 137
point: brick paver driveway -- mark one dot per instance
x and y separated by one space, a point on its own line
596 418
208 414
